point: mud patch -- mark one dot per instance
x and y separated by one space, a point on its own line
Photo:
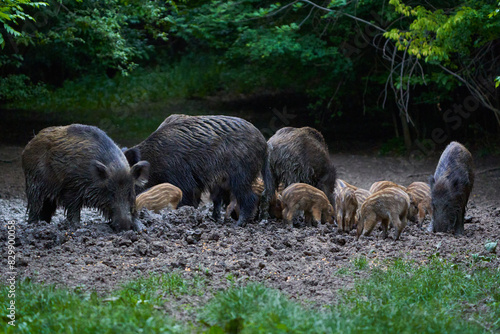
309 264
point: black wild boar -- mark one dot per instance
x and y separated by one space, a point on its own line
79 165
451 185
300 155
220 154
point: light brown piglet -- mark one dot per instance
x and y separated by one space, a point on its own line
311 200
420 201
361 196
390 206
379 185
164 195
346 205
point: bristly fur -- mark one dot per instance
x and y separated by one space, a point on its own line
216 153
451 186
79 166
300 155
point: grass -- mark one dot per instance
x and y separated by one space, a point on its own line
396 297
134 308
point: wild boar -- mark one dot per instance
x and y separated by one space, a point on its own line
79 166
451 186
300 155
420 201
161 196
220 154
304 197
389 205
346 205
379 185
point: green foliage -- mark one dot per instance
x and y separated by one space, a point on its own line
436 35
395 146
19 88
12 12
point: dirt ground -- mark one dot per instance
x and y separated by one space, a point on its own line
302 262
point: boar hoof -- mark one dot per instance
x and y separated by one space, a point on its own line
138 226
263 222
240 223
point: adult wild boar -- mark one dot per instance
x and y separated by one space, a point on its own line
79 165
451 185
300 155
220 154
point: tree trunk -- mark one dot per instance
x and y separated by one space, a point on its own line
406 131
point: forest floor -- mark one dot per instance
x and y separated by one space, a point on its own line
302 262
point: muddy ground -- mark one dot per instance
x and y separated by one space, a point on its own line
302 262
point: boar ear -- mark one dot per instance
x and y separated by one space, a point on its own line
140 172
99 170
133 155
431 181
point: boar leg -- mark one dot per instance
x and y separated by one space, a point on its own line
308 217
370 223
398 228
137 225
288 217
316 213
385 227
421 214
459 223
48 210
247 207
216 197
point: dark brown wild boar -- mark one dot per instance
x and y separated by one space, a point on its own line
451 186
379 185
220 154
161 196
300 155
420 201
390 206
275 208
79 166
258 188
304 197
346 205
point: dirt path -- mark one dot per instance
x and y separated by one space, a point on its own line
302 262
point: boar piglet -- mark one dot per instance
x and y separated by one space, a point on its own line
304 197
420 201
79 166
379 185
161 196
346 205
390 206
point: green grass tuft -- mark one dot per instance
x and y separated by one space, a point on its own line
136 307
400 298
